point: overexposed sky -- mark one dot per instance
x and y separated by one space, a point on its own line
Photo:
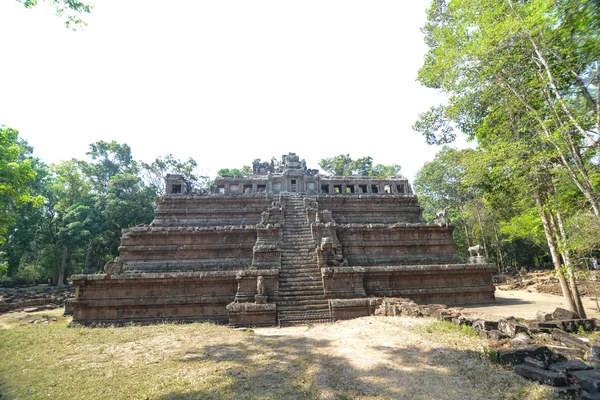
224 82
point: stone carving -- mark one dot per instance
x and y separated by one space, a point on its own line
442 218
475 249
260 285
114 267
328 253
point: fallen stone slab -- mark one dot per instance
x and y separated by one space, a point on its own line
567 339
511 327
561 313
541 375
518 356
543 316
462 321
483 325
588 379
521 340
567 325
568 366
566 352
536 363
492 335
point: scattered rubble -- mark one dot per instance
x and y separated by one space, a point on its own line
556 357
31 300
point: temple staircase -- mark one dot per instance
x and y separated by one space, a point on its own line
301 299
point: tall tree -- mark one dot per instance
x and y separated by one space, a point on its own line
16 173
506 61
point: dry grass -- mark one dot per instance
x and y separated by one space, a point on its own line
369 358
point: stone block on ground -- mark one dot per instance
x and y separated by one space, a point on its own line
494 334
594 355
541 375
561 313
462 321
568 366
570 340
511 327
518 356
566 352
521 340
588 379
483 325
542 364
543 316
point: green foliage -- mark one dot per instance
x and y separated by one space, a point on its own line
28 273
154 173
68 10
344 165
244 171
16 173
492 354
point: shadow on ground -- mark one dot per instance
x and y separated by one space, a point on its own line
303 368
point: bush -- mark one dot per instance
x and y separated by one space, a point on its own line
27 273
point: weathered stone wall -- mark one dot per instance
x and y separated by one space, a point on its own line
154 249
126 298
371 209
214 210
398 244
448 284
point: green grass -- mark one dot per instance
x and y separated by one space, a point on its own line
144 362
207 361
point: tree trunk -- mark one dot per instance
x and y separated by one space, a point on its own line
498 250
552 246
86 264
63 267
562 234
485 248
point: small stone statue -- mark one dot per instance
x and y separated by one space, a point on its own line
475 249
260 285
442 218
114 267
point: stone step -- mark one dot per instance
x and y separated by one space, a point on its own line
311 271
304 291
301 282
300 302
311 307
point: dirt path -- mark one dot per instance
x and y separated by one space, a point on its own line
524 304
397 358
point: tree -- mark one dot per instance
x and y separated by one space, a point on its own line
524 69
69 10
108 160
154 173
244 171
344 165
521 79
16 173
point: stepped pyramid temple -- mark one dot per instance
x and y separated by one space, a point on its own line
283 245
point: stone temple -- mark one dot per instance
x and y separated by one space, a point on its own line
283 245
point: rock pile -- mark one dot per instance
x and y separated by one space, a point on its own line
559 359
48 299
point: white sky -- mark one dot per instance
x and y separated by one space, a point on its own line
224 82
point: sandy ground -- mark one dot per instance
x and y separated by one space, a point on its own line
524 304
